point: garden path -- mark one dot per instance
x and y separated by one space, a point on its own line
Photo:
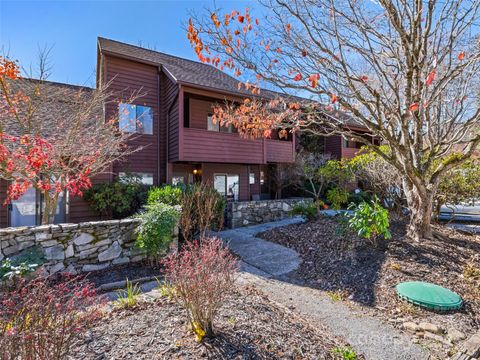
266 265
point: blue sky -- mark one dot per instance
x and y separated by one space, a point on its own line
72 27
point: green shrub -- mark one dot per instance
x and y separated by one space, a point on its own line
306 209
358 198
167 194
154 235
345 353
203 209
337 197
23 264
370 220
119 199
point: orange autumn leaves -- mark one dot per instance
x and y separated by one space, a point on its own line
255 119
9 69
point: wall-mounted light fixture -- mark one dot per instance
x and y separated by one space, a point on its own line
195 171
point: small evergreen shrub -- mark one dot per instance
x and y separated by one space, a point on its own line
167 194
199 278
305 209
370 220
337 197
119 199
155 233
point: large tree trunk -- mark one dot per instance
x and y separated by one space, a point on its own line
420 206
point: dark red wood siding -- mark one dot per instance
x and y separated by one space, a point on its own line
280 151
211 146
333 146
129 77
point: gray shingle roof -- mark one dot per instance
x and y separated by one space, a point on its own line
183 70
53 103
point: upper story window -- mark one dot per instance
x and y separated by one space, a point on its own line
211 126
135 118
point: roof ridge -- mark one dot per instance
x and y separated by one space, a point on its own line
56 83
158 52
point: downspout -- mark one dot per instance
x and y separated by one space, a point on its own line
169 108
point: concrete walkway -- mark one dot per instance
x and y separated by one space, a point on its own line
266 265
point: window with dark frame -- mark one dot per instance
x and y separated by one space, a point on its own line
135 118
211 126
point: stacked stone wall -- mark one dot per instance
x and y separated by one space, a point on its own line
76 248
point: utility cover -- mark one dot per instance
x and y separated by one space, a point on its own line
428 295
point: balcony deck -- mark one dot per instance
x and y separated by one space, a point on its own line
200 145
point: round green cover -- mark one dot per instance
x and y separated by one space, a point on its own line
429 295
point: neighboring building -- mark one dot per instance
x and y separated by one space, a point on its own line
180 143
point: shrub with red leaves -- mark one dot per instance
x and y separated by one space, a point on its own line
39 319
199 278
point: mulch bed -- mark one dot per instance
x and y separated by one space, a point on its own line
249 326
131 271
334 259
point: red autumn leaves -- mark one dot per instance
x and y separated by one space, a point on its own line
25 159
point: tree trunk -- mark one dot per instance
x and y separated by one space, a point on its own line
420 206
48 215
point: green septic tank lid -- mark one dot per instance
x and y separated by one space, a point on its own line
428 295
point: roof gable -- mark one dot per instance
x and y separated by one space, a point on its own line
182 70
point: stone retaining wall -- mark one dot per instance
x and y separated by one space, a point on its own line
76 248
246 213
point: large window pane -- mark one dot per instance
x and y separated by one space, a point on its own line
127 118
144 120
233 186
211 125
220 184
135 118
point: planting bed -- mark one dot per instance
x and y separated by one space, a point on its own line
116 273
249 326
352 269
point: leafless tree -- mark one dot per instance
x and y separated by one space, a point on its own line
405 70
